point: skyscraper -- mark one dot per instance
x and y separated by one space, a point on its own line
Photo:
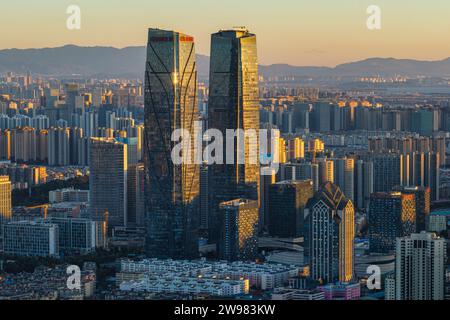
326 170
239 234
5 201
329 235
391 215
204 199
266 180
172 190
59 146
287 201
234 104
363 183
387 171
423 204
344 176
420 267
135 192
108 180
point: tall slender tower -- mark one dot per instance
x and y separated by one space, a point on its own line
234 104
5 201
171 190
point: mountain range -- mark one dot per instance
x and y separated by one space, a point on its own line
130 61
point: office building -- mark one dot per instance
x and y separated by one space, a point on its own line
239 234
422 197
391 215
5 201
31 239
76 235
234 104
68 195
287 201
387 171
329 235
172 190
108 180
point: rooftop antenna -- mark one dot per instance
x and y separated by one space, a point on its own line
240 28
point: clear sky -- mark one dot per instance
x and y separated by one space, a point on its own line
299 32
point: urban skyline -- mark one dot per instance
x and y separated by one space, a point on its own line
241 184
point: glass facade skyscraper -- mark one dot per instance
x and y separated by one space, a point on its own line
391 215
171 190
108 181
239 234
287 201
234 104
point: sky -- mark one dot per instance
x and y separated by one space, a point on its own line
298 32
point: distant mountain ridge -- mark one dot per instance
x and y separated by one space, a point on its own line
130 61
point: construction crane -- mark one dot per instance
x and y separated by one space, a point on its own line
41 206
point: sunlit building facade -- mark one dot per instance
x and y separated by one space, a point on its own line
329 235
5 201
234 104
171 190
391 215
239 234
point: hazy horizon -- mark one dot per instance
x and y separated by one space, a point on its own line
207 55
295 32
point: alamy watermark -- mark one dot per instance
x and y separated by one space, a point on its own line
374 20
374 280
74 279
241 147
73 21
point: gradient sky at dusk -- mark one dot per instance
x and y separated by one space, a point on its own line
299 32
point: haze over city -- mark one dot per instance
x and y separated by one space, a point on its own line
297 32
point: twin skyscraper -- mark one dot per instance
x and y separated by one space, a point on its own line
172 190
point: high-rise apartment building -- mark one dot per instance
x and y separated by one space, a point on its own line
344 176
296 149
59 146
420 267
172 190
326 170
363 183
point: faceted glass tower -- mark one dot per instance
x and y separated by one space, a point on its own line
171 190
233 104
